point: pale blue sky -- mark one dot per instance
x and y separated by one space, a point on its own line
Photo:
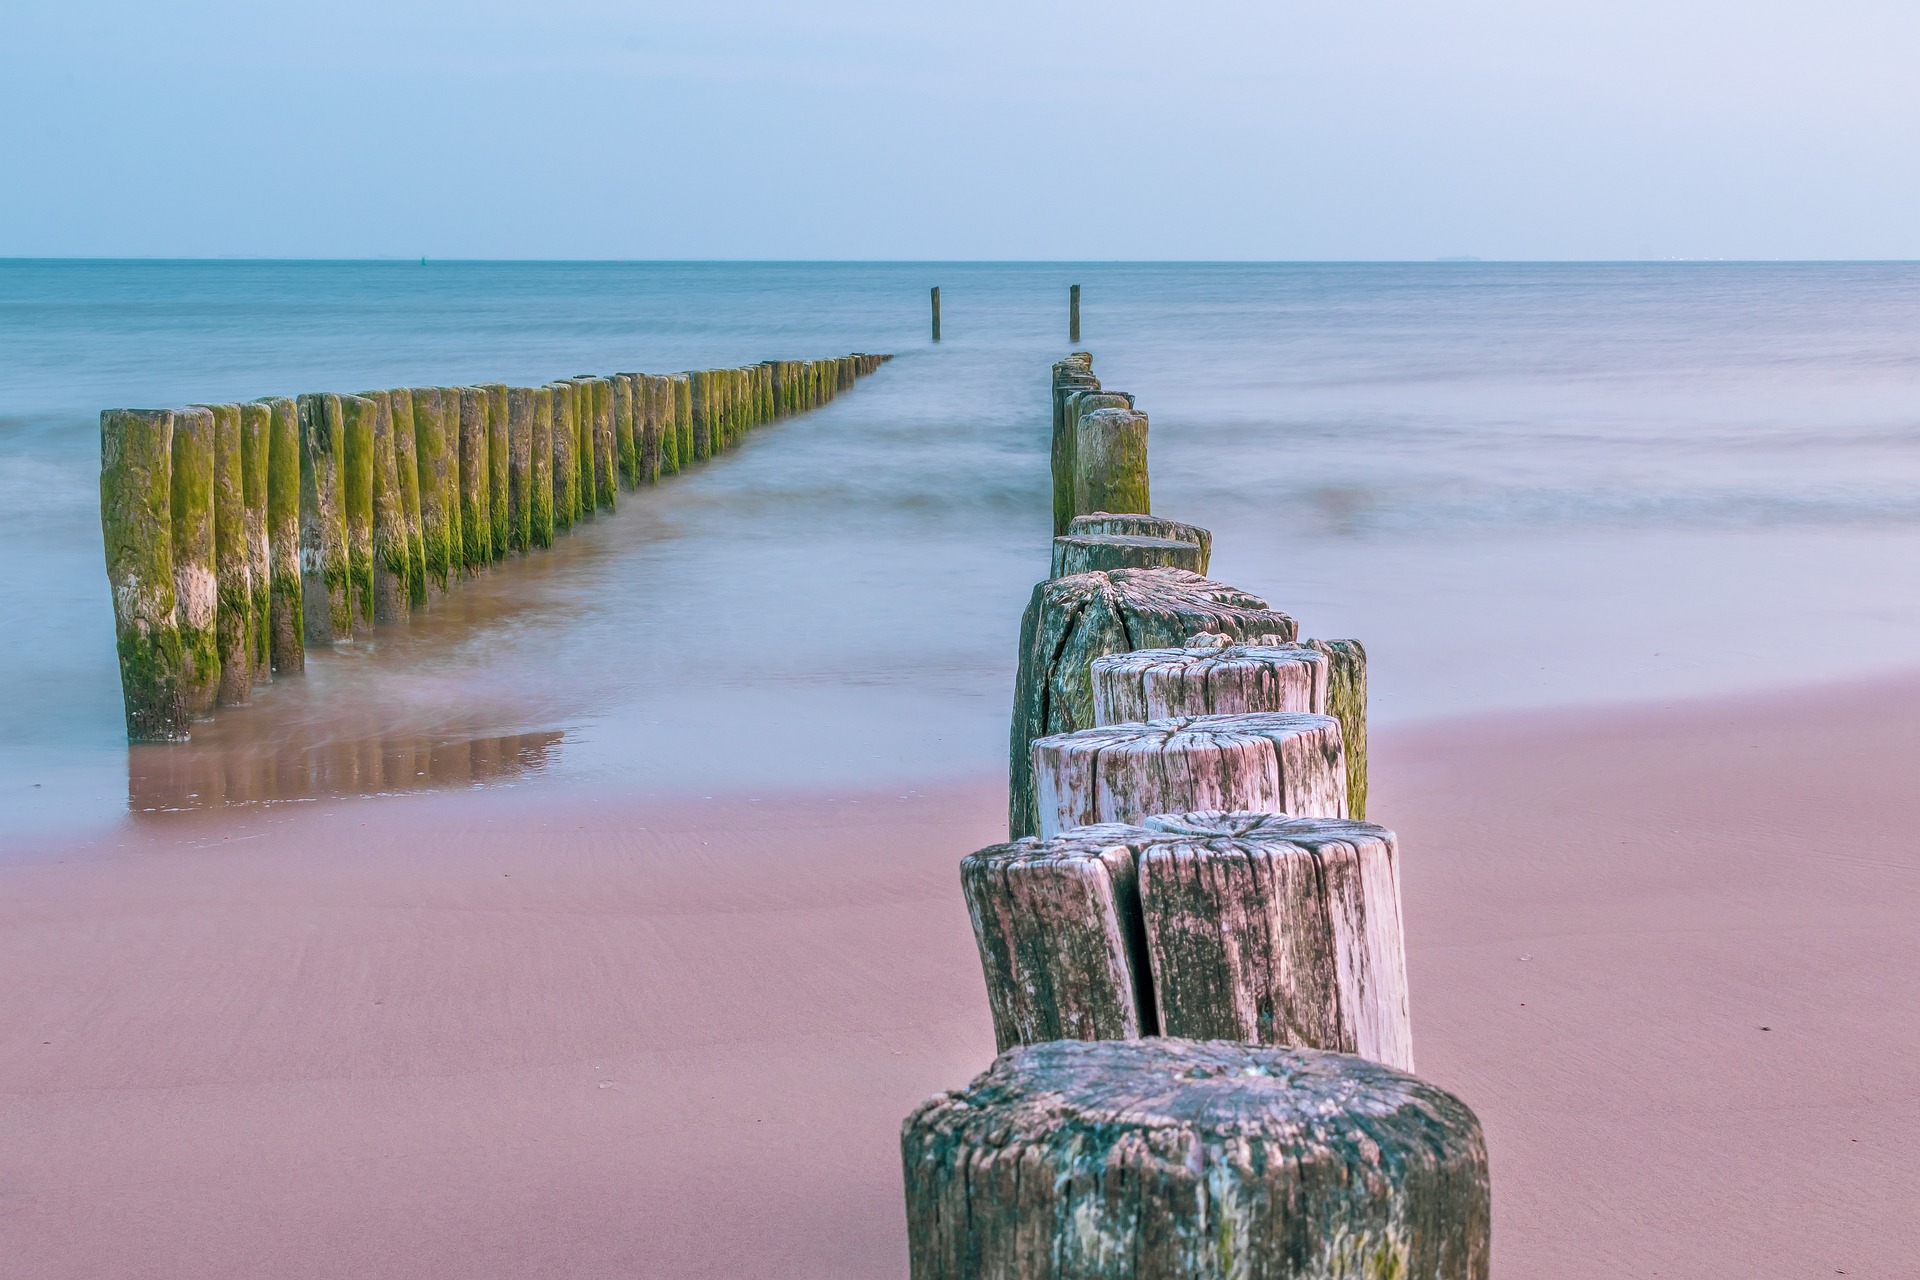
855 129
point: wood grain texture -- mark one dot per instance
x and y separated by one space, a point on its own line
1273 763
1154 684
1096 552
1061 940
1347 703
1110 462
1166 1159
1146 526
1277 930
1073 620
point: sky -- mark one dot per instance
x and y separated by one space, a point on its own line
1210 129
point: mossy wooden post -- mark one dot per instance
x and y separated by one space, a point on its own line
784 386
670 433
431 453
392 550
648 422
1209 680
936 313
540 490
624 446
1347 703
476 469
326 589
136 522
1075 373
499 467
359 414
1145 526
700 385
256 430
683 416
606 459
450 402
519 464
1071 621
406 464
1086 552
287 619
1073 313
586 420
566 479
1194 1160
1110 462
232 564
196 584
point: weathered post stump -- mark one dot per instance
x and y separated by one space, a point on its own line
1347 703
1145 526
476 489
1154 684
196 586
540 499
519 464
432 454
936 313
1071 621
1270 763
326 587
1110 462
359 413
136 520
256 430
499 470
406 466
289 639
392 549
625 439
1101 552
1172 1159
1074 374
232 559
566 460
683 415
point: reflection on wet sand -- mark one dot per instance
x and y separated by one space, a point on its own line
165 778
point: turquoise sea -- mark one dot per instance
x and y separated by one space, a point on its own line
1524 486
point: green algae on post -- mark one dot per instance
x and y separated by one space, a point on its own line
683 415
288 627
566 480
606 457
456 530
430 457
519 458
666 425
406 465
324 582
1110 462
624 433
232 560
498 467
647 423
540 483
392 549
136 522
256 426
358 413
700 389
196 586
476 520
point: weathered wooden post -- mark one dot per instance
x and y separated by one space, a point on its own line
499 470
1071 375
519 464
392 549
136 522
358 413
1209 680
431 453
1088 552
604 491
540 469
683 415
1189 1160
1073 314
1110 461
625 437
1269 762
256 430
476 518
196 586
1071 621
325 587
450 400
1347 703
936 313
657 438
232 561
700 386
566 461
585 449
1145 526
406 465
289 628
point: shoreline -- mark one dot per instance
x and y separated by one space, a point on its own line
556 1032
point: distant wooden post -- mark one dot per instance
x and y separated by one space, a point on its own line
232 559
1145 526
1262 761
1087 552
1178 1160
1210 680
936 313
136 519
1073 314
289 640
1071 621
1110 462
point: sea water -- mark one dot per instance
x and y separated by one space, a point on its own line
1523 486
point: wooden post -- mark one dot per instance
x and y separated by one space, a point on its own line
136 522
1071 621
1347 703
586 444
1073 314
519 463
1209 680
625 437
683 415
196 589
1183 1160
232 560
324 583
499 471
540 469
1088 552
1145 526
1110 462
450 401
936 313
392 549
657 437
256 430
406 465
476 492
1071 375
431 453
358 413
289 628
700 387
604 489
1262 761
566 477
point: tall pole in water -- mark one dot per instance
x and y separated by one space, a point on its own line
936 313
1073 314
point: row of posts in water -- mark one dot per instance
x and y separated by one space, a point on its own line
238 534
1073 313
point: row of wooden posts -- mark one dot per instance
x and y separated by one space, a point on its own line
239 534
1192 945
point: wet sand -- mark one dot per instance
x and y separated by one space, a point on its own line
533 1032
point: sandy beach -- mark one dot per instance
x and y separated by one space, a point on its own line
1667 953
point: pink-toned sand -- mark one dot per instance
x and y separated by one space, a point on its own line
526 1033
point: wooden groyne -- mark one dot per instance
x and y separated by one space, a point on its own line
1192 944
238 536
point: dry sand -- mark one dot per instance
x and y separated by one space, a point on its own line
527 1033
